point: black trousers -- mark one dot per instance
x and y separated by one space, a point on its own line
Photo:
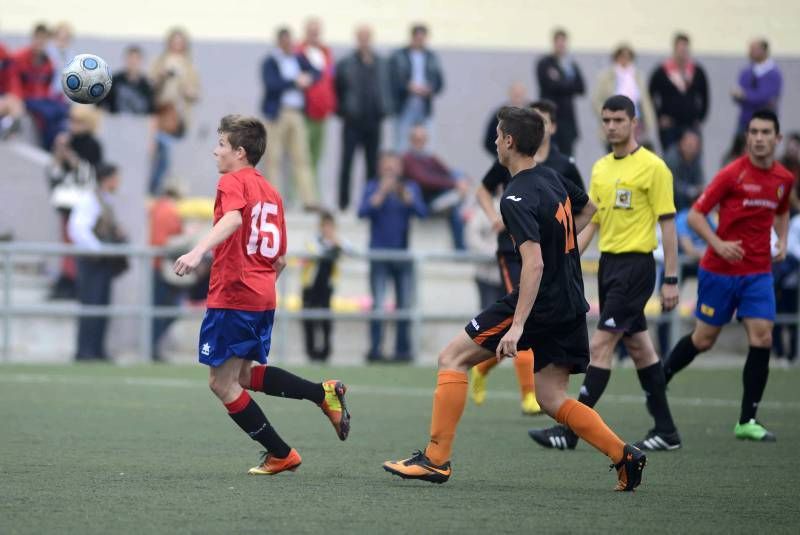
319 298
94 288
364 134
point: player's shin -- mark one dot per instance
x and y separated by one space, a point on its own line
588 425
278 382
448 406
248 415
653 383
754 379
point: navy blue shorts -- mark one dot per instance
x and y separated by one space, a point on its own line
227 333
718 296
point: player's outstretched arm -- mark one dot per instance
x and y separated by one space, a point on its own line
529 280
731 251
584 217
586 235
226 226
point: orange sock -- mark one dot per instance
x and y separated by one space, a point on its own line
448 406
487 365
588 425
523 365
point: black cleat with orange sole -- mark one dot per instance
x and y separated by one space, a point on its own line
419 466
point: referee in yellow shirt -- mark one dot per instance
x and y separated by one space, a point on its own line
632 188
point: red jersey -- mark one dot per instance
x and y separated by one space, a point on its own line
243 273
9 83
35 72
748 199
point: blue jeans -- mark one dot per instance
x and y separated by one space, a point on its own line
380 271
161 162
413 114
94 288
51 118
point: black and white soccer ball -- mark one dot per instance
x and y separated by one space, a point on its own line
86 79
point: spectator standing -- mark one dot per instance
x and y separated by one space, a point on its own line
131 91
389 202
70 174
60 51
319 276
517 97
787 279
165 225
364 99
760 84
416 78
679 90
683 160
35 74
92 223
12 108
174 76
560 81
623 78
481 238
321 95
443 189
286 74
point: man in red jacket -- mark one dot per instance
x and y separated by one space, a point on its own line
321 95
11 106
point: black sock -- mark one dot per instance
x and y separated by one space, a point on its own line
655 388
754 378
278 382
248 415
681 356
594 384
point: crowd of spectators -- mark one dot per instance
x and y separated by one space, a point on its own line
304 85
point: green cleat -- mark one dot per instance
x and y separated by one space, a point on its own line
753 430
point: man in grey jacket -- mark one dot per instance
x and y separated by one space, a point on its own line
364 95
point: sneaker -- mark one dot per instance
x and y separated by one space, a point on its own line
335 407
419 467
655 441
477 382
271 465
529 405
630 468
753 430
557 437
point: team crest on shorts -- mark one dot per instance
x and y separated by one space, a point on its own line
707 310
206 349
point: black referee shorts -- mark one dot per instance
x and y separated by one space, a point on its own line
626 281
564 344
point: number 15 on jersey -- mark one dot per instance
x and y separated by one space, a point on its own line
261 229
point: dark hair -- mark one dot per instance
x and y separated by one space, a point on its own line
621 49
246 132
40 29
133 49
560 32
764 44
524 125
766 115
546 106
680 36
416 28
282 31
103 171
795 136
326 217
620 103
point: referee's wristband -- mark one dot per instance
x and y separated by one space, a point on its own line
671 280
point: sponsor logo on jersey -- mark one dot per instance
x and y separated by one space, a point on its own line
515 199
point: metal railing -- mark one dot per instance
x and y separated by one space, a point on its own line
145 311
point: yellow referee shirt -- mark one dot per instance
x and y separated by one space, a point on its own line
631 193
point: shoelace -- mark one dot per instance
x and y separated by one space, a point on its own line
417 456
265 455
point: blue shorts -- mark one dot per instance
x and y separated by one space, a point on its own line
751 296
227 333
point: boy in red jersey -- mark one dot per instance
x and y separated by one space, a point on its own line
237 327
752 195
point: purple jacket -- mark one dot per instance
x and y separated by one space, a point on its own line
759 92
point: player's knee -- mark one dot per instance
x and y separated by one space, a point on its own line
244 379
448 359
761 339
703 341
599 352
218 386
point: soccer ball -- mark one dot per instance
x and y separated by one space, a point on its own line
86 79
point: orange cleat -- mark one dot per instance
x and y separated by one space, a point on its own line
335 407
271 465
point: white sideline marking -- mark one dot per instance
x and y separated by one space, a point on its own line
401 391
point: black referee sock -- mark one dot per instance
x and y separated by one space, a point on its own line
278 382
249 416
681 356
655 388
754 378
594 384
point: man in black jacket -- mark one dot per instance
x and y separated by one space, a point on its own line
560 80
679 91
364 95
416 76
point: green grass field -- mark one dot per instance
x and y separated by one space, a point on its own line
101 449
